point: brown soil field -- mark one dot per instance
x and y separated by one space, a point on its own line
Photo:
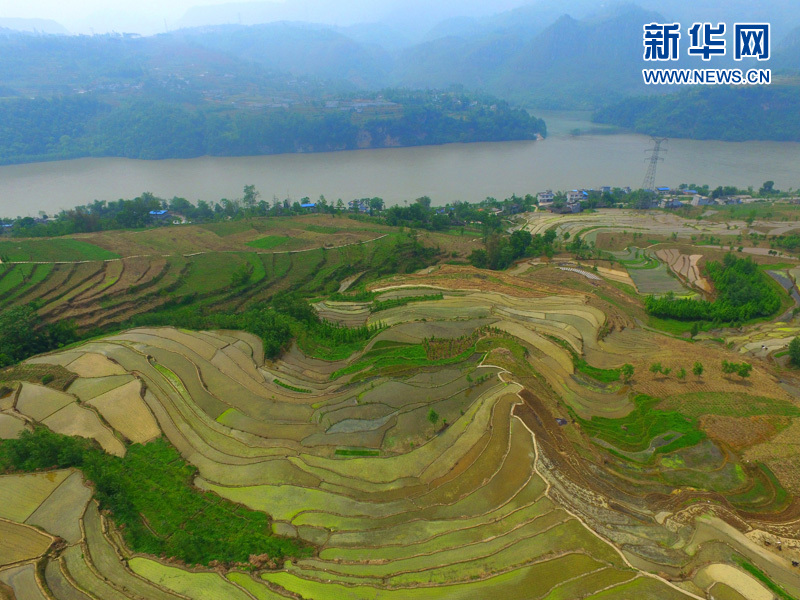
330 231
742 432
455 277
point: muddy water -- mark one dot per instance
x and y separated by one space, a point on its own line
445 173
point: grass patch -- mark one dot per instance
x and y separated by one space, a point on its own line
624 288
596 373
634 432
674 326
17 275
408 356
268 242
322 229
53 250
54 376
765 494
210 272
151 498
226 228
601 375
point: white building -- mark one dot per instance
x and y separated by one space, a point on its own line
545 197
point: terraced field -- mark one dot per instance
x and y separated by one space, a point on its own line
498 433
97 289
480 444
650 275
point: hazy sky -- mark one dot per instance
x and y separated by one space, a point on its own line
101 15
153 16
75 10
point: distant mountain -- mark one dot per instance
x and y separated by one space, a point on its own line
168 67
567 63
786 56
411 17
46 26
297 48
533 54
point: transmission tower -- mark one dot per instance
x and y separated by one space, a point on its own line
650 178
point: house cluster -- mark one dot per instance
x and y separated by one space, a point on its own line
574 198
573 203
677 198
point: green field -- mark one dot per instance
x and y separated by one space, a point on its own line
269 242
52 250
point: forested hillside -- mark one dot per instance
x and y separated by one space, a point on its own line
78 126
713 112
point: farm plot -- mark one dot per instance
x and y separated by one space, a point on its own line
20 543
686 267
22 580
649 275
10 426
21 495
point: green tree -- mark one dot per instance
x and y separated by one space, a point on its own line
698 369
375 205
250 196
433 417
743 369
681 374
729 367
626 371
794 351
656 368
666 371
242 274
18 337
695 329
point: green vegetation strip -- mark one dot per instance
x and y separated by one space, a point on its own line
411 355
357 452
601 375
291 387
150 496
379 305
763 578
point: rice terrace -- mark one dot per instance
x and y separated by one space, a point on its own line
402 404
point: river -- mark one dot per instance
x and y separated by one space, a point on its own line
445 173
